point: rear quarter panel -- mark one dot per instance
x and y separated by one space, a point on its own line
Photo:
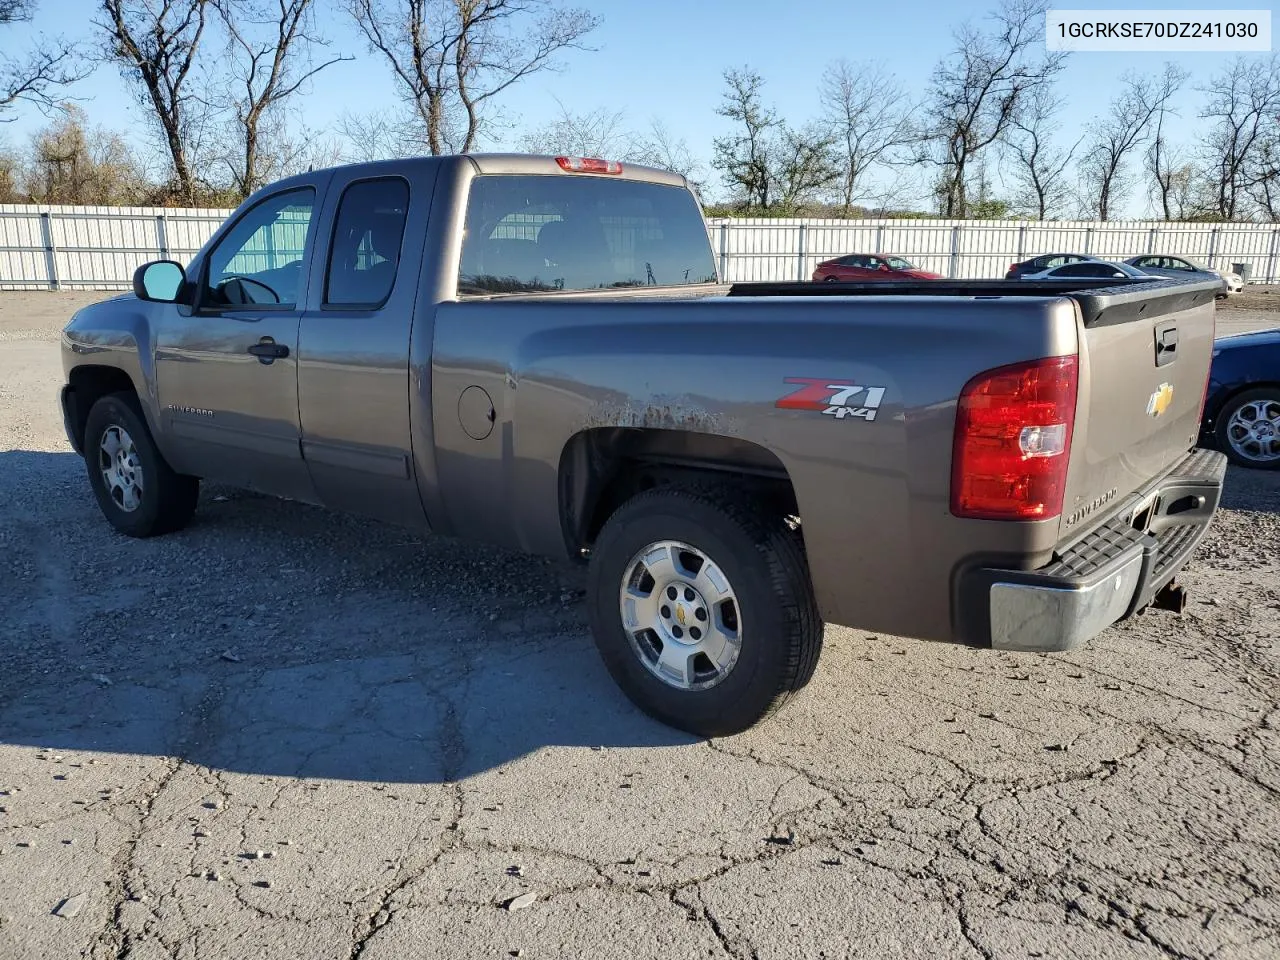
873 496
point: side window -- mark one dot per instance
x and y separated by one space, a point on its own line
366 243
259 260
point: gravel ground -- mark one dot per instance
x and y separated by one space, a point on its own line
286 733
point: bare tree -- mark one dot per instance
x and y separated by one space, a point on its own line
605 133
980 88
10 175
1265 185
766 163
1165 164
384 134
1244 107
865 111
1040 165
271 47
807 163
454 57
40 77
657 147
1125 128
743 155
71 163
156 46
596 133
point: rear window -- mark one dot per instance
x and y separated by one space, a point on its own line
546 233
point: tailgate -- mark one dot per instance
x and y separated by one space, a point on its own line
1144 364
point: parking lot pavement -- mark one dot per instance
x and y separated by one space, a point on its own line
287 733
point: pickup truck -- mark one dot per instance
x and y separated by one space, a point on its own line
539 352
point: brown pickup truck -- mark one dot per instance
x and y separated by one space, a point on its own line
538 352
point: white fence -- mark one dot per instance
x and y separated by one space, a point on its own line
759 249
97 248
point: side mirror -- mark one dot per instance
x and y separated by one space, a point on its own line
160 281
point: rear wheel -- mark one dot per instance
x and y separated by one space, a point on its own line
830 279
138 492
1248 428
703 612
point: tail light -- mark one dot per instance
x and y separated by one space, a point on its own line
588 165
1013 441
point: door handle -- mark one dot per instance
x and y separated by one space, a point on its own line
1166 346
267 350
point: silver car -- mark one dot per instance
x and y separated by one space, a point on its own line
1090 270
1180 268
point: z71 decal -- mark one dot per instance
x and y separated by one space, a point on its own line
835 398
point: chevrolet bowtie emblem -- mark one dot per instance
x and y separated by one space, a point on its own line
1160 400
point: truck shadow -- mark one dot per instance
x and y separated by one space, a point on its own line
279 639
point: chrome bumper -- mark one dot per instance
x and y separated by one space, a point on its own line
1114 571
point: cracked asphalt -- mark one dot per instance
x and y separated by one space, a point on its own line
286 733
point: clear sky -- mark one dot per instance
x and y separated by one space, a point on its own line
664 59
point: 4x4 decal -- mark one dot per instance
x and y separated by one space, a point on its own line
835 398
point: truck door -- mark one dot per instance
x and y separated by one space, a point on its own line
353 366
226 370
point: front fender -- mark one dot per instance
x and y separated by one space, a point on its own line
116 334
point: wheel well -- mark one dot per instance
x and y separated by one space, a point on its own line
88 385
602 468
1226 398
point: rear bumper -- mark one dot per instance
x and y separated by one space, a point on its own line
1114 571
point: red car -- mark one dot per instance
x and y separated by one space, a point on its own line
863 267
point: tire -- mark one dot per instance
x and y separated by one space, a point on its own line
1246 446
830 279
772 611
163 501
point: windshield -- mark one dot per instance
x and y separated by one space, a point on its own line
546 233
897 263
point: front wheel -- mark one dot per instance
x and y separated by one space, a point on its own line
1248 428
703 612
138 492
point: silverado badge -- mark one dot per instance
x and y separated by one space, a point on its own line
1160 400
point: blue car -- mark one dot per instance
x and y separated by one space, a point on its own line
1242 410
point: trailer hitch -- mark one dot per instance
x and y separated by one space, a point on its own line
1172 596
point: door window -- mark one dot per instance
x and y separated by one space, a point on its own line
259 260
366 243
